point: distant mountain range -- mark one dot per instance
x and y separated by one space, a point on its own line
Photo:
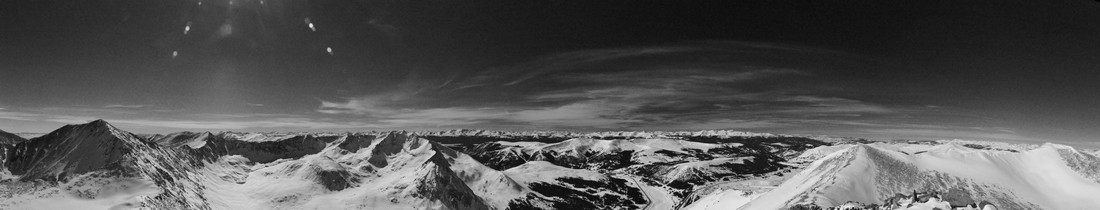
98 166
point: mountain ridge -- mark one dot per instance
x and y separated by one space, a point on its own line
970 174
613 170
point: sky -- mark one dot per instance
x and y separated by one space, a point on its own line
984 70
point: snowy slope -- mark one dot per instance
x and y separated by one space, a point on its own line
817 153
723 199
389 171
1036 179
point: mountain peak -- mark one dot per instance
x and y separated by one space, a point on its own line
73 149
100 123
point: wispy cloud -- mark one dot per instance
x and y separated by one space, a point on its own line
831 105
677 87
150 121
389 103
127 106
609 89
569 115
440 117
744 86
13 115
300 123
593 114
661 88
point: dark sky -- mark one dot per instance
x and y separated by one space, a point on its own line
1002 70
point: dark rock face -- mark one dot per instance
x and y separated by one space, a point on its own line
335 180
390 144
497 156
983 147
442 184
7 143
73 149
260 152
576 193
354 142
9 138
469 141
784 147
494 155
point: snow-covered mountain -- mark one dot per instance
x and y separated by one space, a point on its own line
98 166
673 167
97 160
635 134
469 136
98 163
392 171
890 176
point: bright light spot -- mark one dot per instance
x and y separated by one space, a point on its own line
329 50
310 24
261 1
175 53
200 3
187 28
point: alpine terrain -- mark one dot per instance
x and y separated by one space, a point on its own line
98 166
